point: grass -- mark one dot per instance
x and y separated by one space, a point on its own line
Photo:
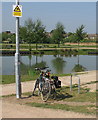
8 79
4 96
46 45
81 45
64 95
90 109
62 51
92 82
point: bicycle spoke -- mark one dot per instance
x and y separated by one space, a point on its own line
46 90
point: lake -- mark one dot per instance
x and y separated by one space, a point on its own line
57 64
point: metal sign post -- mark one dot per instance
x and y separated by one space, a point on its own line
17 59
71 83
78 82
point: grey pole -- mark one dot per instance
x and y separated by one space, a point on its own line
17 59
71 83
79 86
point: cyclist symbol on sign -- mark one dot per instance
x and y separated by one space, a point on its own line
17 9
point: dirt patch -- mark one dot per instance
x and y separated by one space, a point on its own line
16 108
13 110
27 99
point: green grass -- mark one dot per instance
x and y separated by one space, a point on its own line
80 109
69 74
80 46
7 79
92 82
52 49
33 46
58 51
65 94
4 96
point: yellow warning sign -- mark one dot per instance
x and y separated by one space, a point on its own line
17 10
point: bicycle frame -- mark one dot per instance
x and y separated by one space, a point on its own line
44 85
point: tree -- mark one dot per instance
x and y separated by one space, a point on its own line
58 34
69 34
13 38
39 32
29 24
5 36
0 37
80 34
23 34
9 37
33 32
72 38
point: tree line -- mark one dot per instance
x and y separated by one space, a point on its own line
35 32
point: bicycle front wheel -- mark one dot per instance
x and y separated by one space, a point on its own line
46 90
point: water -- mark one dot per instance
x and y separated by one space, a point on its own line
57 64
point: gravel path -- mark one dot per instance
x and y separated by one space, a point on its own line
13 110
89 76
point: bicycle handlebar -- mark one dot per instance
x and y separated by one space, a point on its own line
41 68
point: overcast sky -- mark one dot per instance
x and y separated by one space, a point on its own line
70 14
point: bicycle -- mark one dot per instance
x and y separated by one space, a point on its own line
45 84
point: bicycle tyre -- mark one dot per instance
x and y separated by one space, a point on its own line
46 91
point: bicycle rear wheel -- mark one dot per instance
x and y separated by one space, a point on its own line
46 91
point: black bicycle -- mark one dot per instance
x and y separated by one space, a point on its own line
46 84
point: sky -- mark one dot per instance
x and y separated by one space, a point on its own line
70 14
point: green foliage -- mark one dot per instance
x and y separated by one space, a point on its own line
5 36
0 37
29 29
9 37
80 34
78 68
23 34
69 34
33 32
72 38
58 34
39 32
77 37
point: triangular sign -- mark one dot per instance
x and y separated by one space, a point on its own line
17 9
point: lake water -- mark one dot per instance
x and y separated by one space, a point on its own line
57 64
